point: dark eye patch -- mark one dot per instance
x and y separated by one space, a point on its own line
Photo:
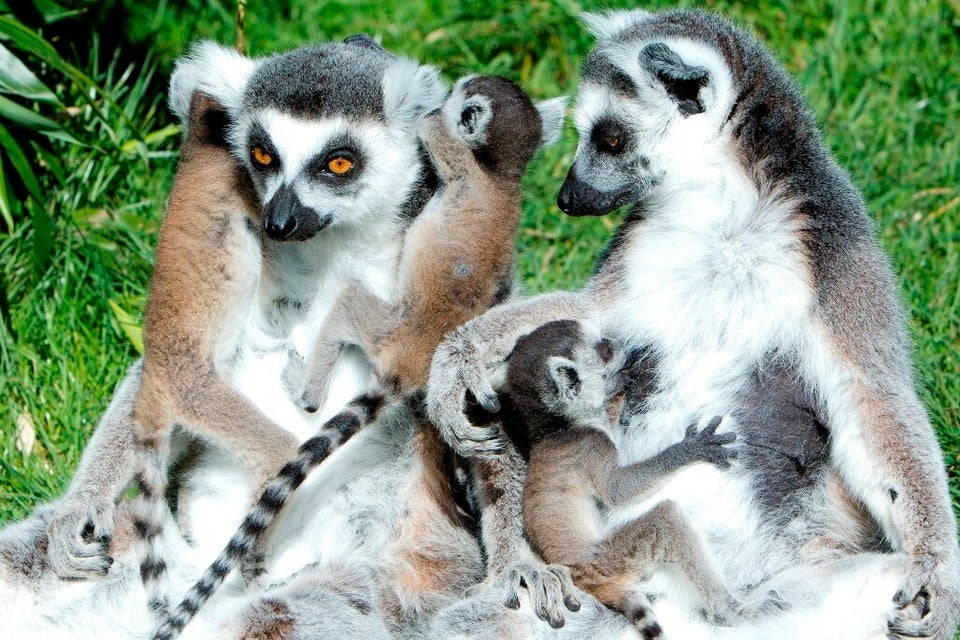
610 137
345 147
259 139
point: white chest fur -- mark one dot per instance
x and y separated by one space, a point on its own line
715 282
310 282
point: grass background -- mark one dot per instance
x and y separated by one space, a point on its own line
883 79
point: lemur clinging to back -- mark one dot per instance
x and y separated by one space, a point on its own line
207 245
750 275
556 411
480 144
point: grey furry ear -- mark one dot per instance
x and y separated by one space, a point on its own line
474 120
363 40
212 69
552 113
411 90
683 82
564 374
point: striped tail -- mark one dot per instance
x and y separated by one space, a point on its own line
150 515
338 430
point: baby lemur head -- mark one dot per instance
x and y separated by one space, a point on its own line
557 379
500 122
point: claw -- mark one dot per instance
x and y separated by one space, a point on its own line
490 403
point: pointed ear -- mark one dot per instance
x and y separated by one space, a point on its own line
411 90
213 70
564 374
552 114
682 82
474 120
363 40
607 24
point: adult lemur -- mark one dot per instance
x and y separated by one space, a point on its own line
384 501
480 145
750 280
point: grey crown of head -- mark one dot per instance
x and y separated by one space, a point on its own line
322 80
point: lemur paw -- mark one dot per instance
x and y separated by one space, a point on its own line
455 372
79 540
927 605
549 586
709 446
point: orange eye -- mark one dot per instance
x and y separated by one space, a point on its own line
340 165
261 157
613 142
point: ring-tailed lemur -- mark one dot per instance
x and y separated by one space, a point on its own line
302 106
750 276
480 144
555 410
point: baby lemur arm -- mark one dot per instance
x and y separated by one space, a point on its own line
451 157
463 361
625 484
358 317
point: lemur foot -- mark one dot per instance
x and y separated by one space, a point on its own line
640 614
709 446
927 605
79 539
549 586
724 611
760 606
457 370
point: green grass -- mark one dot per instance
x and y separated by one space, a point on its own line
880 76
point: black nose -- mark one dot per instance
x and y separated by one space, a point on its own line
565 197
280 229
286 218
579 198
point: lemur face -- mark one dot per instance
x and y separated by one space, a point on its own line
326 131
649 111
570 365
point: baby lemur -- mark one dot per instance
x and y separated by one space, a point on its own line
556 413
457 258
205 274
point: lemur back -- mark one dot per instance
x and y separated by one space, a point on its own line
558 379
480 144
